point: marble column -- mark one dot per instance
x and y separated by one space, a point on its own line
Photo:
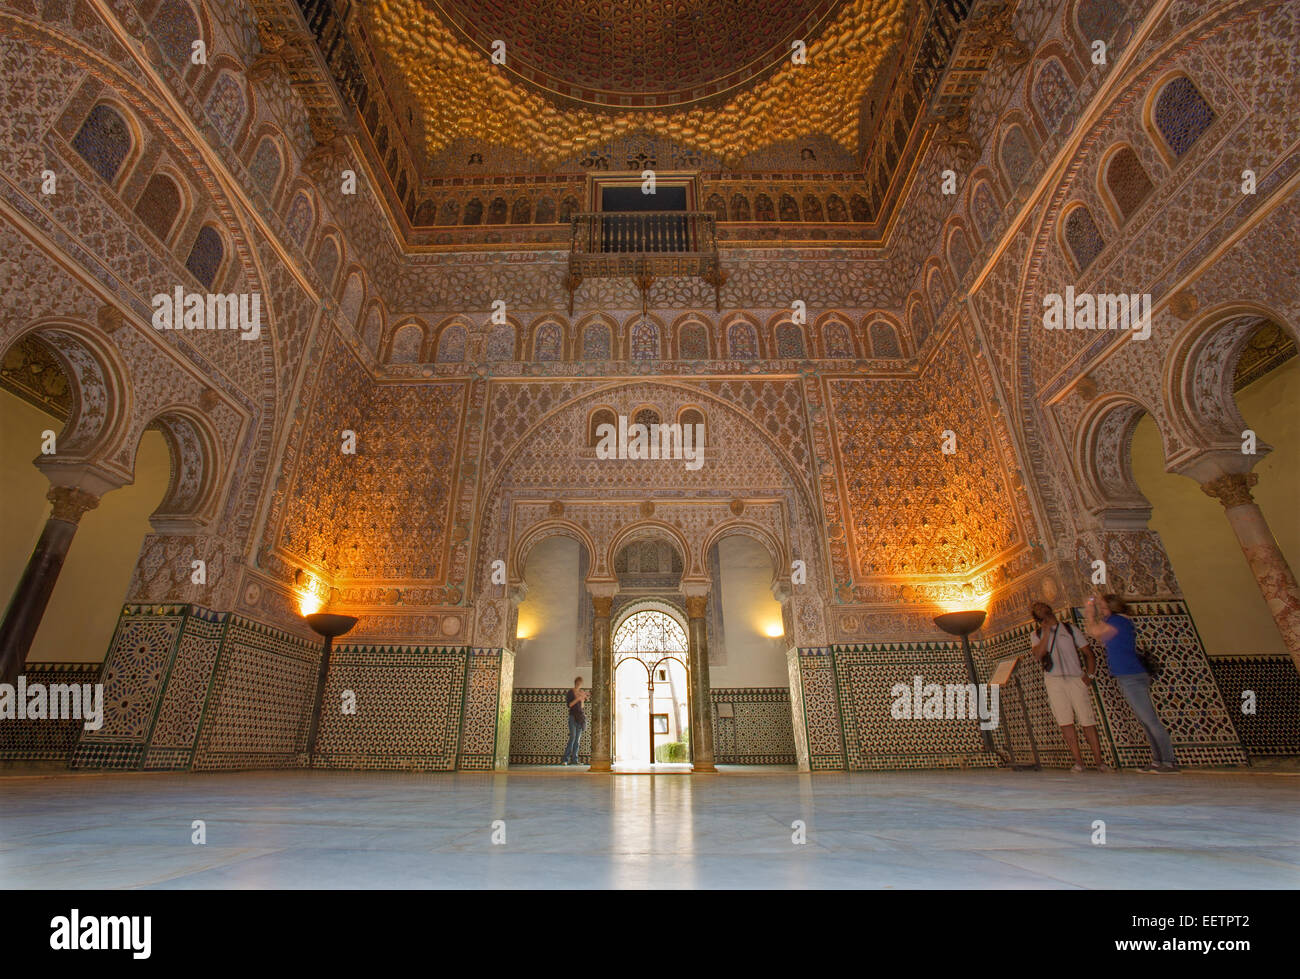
602 675
1276 580
697 637
27 606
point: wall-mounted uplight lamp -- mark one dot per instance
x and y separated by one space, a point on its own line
330 626
963 624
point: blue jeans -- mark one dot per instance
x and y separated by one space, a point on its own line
1137 691
575 736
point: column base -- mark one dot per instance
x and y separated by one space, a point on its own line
704 767
600 767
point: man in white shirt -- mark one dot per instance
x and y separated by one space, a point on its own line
1063 652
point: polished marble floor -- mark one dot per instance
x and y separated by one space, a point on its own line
562 829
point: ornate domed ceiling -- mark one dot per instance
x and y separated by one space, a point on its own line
726 62
637 53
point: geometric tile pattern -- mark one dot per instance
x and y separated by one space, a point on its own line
478 739
407 708
539 727
46 740
873 738
760 732
171 743
821 708
258 708
1274 727
1185 695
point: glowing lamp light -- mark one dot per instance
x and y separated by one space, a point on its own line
309 603
774 630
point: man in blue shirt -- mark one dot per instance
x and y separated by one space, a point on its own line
577 720
1108 621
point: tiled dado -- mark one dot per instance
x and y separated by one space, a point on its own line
539 727
188 688
46 740
846 703
759 730
1262 695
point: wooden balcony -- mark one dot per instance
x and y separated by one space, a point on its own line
644 246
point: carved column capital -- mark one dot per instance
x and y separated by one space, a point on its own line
695 606
1231 489
602 605
70 503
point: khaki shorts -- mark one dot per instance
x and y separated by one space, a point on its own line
1069 698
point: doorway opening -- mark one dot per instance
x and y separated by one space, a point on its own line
651 698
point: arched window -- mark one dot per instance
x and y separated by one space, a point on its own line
1082 236
159 205
545 211
920 325
1127 181
1052 93
742 342
789 342
812 208
497 211
451 345
547 342
426 213
327 262
265 167
859 208
601 416
884 342
501 343
473 211
692 416
596 342
693 342
407 342
1181 115
645 341
835 209
354 291
646 416
836 340
205 256
226 107
717 206
450 212
104 140
788 209
984 209
175 28
522 213
959 256
568 208
938 291
739 207
374 328
299 221
1016 156
650 633
763 209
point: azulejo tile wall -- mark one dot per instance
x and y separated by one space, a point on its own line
1274 727
189 688
43 739
539 727
403 712
845 692
759 730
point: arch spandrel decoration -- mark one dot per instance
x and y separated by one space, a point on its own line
549 481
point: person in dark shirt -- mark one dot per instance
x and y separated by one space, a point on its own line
577 720
1108 621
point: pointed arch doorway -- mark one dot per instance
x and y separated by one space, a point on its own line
651 688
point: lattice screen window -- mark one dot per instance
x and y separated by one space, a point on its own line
205 256
1182 115
159 205
1082 236
103 141
1127 182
